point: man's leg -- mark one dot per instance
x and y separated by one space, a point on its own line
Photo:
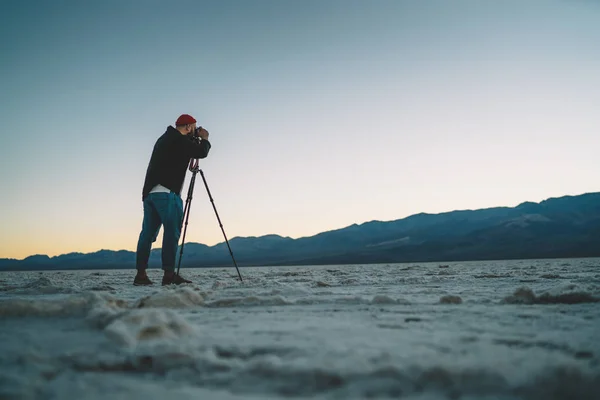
172 217
172 230
150 227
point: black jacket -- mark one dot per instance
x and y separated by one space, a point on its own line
170 160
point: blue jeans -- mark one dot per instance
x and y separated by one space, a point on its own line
164 209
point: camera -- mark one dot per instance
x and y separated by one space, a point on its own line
196 134
197 131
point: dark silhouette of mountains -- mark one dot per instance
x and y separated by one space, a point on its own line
562 227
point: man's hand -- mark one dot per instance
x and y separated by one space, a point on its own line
203 133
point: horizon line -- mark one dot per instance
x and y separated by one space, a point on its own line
303 237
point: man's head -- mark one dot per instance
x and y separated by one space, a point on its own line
185 124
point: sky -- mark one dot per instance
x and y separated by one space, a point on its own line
321 113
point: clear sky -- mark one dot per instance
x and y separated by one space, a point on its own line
322 113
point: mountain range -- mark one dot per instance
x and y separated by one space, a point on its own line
561 227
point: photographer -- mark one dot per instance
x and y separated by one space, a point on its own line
161 195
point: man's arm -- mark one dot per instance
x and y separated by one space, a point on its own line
198 148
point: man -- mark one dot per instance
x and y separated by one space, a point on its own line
161 195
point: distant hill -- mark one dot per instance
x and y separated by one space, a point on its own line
566 227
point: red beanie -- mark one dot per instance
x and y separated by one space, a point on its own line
185 119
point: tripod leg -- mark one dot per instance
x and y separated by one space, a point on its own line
186 217
220 224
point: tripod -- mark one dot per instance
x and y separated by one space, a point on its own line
186 212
